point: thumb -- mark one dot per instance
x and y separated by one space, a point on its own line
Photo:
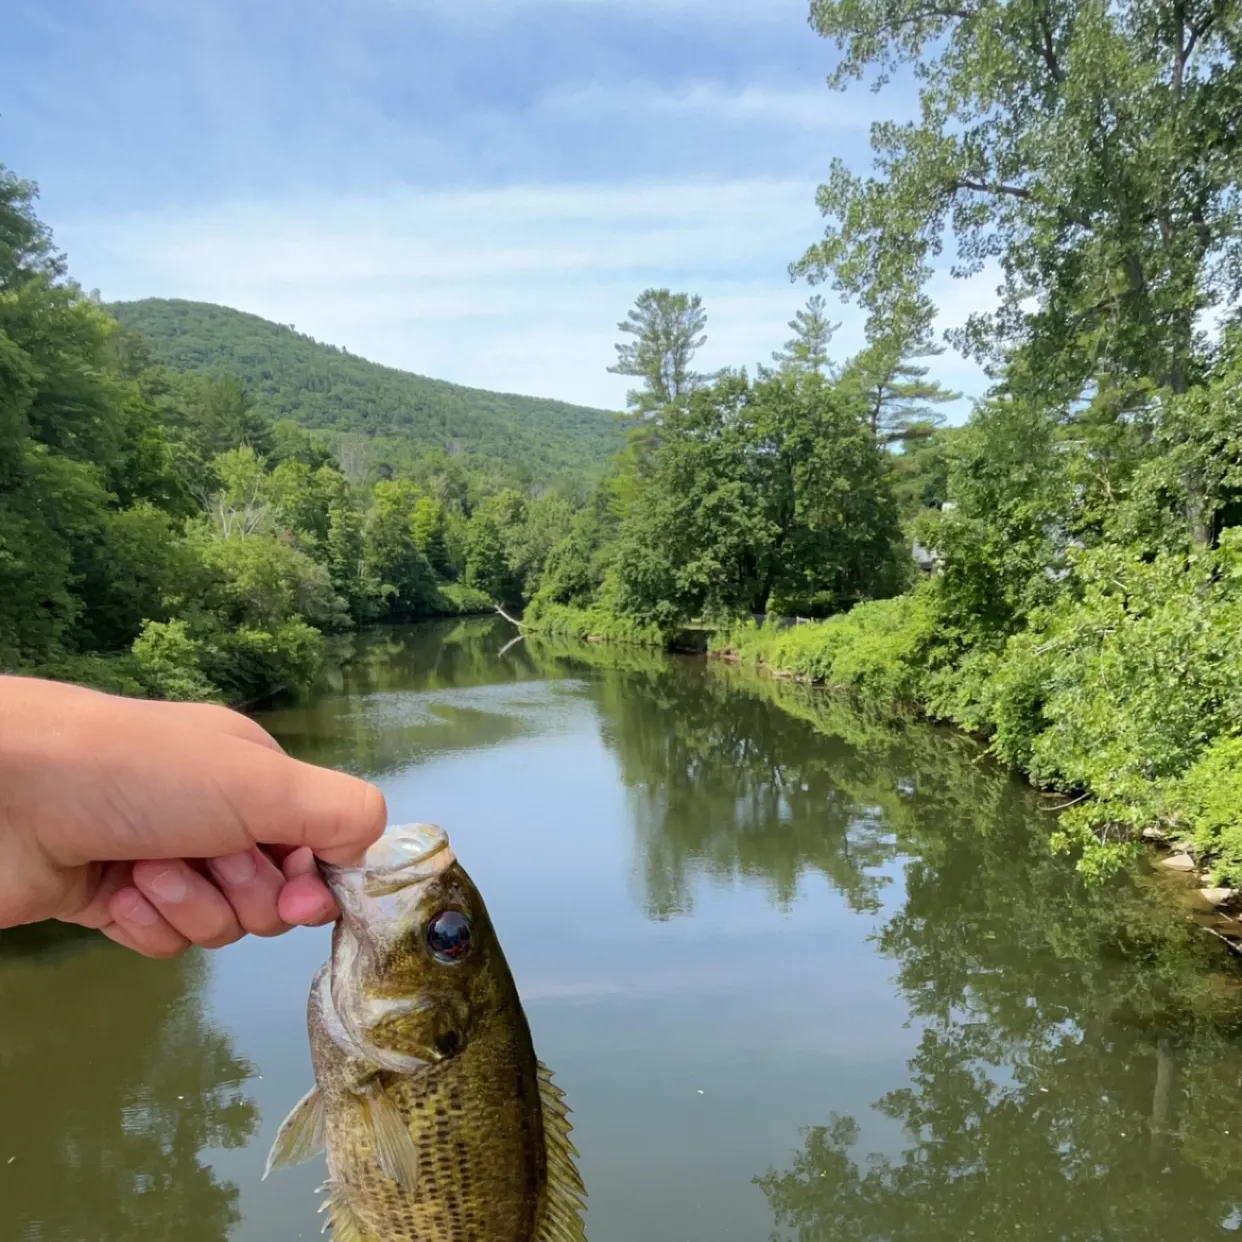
337 815
185 793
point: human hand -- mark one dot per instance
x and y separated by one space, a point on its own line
165 824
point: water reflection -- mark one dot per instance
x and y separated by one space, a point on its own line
722 787
831 915
395 696
1077 1075
113 1088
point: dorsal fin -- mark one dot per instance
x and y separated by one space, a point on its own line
344 1224
561 1217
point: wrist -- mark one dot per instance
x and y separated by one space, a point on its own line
35 716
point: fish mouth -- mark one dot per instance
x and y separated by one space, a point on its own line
404 855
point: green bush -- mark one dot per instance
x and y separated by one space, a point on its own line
1207 804
878 650
597 623
169 663
253 662
456 599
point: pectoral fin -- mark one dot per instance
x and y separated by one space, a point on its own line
394 1147
301 1134
561 1217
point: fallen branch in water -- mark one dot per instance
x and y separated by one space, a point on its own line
513 642
508 618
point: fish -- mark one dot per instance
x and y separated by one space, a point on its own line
438 1121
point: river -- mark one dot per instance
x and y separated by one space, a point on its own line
797 973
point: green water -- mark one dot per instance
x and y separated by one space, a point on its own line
795 973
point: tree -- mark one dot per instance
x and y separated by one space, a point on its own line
807 349
570 574
759 491
545 523
26 249
487 567
345 549
898 398
1088 149
427 525
292 443
1004 543
667 328
221 415
391 555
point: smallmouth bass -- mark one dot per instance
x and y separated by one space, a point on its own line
438 1121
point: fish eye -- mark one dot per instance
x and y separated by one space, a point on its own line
448 936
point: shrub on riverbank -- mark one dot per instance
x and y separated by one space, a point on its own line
597 623
877 651
1125 690
456 599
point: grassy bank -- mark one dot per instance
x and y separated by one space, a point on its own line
596 624
1125 693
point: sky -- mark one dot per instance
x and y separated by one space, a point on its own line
475 190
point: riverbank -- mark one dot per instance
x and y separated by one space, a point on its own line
890 657
884 655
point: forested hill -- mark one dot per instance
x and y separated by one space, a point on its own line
323 387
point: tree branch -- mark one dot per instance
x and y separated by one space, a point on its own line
508 618
1048 52
984 187
1196 33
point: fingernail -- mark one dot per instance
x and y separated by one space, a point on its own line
169 885
235 868
141 912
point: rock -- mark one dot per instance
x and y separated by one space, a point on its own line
1178 862
1219 896
1153 834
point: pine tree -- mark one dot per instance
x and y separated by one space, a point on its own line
898 398
807 349
668 330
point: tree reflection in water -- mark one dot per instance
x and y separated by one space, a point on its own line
112 1086
1080 1064
724 787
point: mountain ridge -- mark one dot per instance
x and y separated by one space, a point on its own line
327 388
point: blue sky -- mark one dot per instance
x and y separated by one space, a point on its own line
471 189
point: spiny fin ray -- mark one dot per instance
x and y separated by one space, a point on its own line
344 1224
561 1217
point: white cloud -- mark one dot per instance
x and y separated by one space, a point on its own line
813 107
517 289
756 10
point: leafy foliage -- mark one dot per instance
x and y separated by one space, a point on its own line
761 494
1089 148
161 534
